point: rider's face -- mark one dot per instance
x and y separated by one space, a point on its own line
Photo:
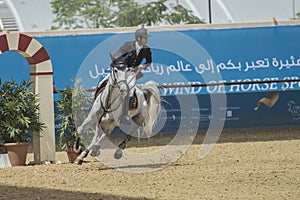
143 41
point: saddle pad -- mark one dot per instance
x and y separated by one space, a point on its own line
99 89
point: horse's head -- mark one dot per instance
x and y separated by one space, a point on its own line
118 73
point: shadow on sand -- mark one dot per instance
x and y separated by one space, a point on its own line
31 193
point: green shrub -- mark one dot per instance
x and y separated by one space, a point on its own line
19 112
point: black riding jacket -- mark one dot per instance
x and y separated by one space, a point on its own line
133 60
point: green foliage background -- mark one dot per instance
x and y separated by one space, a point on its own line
80 14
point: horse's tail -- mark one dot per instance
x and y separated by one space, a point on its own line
154 106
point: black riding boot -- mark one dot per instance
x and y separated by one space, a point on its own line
125 118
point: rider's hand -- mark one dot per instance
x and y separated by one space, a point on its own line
141 67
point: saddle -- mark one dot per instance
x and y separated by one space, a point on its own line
133 101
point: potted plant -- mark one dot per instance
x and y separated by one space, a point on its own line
71 102
19 118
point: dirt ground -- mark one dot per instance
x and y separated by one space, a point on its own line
249 164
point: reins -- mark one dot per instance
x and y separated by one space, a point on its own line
112 84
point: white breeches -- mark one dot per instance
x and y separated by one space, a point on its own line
131 81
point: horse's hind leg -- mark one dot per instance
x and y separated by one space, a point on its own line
119 152
122 145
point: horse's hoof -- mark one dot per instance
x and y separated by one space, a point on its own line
85 153
78 162
122 145
95 152
118 154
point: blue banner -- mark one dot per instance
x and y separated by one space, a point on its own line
206 56
180 57
189 57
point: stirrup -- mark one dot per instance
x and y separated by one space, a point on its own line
126 119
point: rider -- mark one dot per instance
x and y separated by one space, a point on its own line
137 52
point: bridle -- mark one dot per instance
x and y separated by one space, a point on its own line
114 69
114 82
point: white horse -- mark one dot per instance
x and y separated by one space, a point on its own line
108 106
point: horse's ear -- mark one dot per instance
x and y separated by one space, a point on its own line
111 57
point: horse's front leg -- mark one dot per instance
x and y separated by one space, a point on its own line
91 119
77 143
97 141
94 146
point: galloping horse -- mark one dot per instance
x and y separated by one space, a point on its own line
108 107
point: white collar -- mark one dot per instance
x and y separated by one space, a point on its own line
137 45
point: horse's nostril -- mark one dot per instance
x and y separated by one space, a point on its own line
123 88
